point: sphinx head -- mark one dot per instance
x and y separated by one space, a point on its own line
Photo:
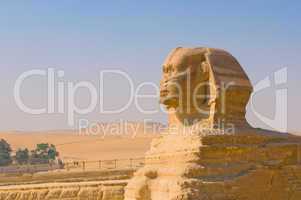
185 85
192 80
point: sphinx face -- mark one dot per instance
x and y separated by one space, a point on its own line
182 79
171 86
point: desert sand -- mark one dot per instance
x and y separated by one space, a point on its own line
78 147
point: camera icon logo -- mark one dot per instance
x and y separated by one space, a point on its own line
279 119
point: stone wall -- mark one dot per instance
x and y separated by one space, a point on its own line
107 190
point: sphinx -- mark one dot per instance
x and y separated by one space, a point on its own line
200 88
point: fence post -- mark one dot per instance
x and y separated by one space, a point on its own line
131 163
99 164
298 156
115 163
84 165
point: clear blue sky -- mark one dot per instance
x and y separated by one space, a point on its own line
83 37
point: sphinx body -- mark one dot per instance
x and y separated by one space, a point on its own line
206 91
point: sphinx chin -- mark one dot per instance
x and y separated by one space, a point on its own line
169 102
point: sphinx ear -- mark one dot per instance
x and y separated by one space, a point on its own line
204 70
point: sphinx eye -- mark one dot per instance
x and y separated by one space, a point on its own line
170 68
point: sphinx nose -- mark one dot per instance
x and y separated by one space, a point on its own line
164 83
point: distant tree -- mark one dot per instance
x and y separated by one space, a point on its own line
22 156
52 152
44 153
5 151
